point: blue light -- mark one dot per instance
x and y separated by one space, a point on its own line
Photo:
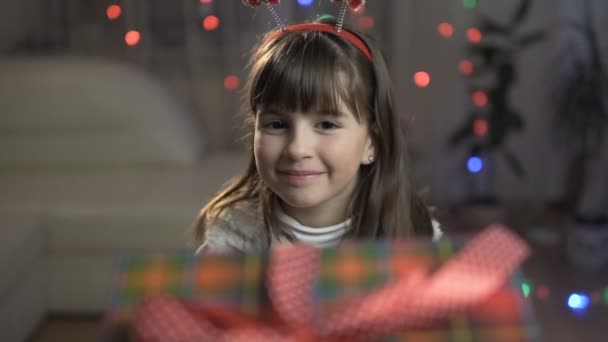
578 301
474 164
305 3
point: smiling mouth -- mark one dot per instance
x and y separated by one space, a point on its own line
299 177
300 173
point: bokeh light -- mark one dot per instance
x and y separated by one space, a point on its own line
211 23
474 164
480 127
113 12
578 301
132 37
232 82
305 3
366 22
446 30
474 35
422 79
543 292
479 98
465 67
469 3
526 288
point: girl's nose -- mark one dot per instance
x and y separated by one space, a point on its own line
300 144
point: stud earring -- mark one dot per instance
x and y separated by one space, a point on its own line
370 158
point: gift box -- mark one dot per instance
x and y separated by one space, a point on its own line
404 290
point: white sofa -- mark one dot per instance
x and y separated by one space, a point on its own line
95 159
23 277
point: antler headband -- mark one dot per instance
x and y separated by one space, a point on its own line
337 29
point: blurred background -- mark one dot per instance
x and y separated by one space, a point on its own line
119 119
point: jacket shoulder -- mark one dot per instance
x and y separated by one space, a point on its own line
239 228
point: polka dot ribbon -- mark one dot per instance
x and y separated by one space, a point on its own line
414 301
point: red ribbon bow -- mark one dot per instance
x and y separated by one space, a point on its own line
415 301
355 5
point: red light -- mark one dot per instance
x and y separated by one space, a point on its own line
231 82
113 12
466 67
480 99
422 79
366 22
206 1
211 23
474 35
480 127
543 292
445 29
132 38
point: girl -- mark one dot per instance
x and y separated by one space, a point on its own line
327 153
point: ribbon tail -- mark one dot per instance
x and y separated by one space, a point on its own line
292 274
477 272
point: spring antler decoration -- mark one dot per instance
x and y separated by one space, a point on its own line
355 5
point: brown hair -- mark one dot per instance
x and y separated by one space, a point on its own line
310 70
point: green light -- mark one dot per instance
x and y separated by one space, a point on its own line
606 295
326 16
526 288
469 3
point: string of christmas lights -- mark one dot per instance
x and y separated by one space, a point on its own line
212 22
577 301
479 126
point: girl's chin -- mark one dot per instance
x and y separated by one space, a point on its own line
288 201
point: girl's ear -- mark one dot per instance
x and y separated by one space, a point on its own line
369 152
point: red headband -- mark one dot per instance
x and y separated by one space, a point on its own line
354 39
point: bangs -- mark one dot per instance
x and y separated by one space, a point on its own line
306 74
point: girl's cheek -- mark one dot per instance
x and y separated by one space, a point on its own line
267 146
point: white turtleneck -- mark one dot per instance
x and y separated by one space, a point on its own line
320 237
328 236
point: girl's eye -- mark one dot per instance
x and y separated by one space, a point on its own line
276 124
327 125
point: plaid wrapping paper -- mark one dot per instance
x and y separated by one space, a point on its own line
349 271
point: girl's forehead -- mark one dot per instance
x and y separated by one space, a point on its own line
341 110
314 86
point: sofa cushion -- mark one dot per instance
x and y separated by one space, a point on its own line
83 111
92 215
127 208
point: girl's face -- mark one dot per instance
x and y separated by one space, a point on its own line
311 161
